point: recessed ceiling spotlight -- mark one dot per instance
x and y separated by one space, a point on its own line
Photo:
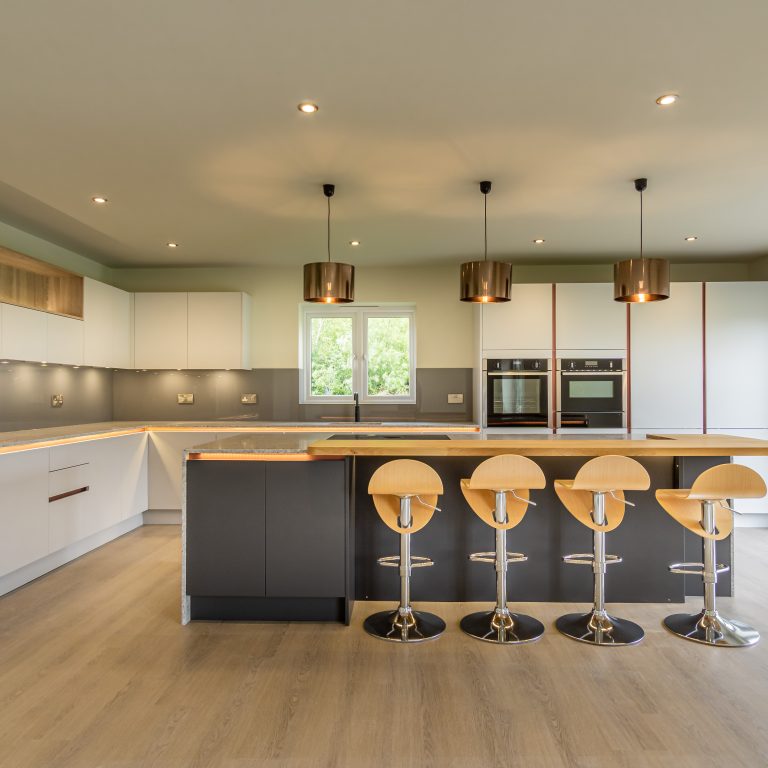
44 364
667 99
75 367
4 362
308 107
539 240
173 245
354 243
99 200
691 238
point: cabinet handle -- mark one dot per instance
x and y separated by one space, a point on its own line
66 494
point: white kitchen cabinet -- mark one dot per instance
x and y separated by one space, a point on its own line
667 361
165 463
24 333
23 508
160 330
64 340
524 323
107 325
737 355
587 318
71 508
135 479
219 330
758 463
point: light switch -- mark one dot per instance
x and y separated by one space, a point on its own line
456 399
57 401
249 399
186 398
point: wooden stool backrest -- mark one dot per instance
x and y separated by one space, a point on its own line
728 481
612 473
600 475
400 478
507 472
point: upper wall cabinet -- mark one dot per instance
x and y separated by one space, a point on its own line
523 323
191 330
667 361
588 317
107 327
64 340
160 330
24 333
218 326
737 355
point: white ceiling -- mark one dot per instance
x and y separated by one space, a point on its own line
183 113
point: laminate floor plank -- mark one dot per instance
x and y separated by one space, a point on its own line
97 672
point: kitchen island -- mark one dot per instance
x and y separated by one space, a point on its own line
281 526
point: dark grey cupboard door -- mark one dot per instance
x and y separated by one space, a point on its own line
225 528
306 529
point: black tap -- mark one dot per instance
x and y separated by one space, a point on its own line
357 407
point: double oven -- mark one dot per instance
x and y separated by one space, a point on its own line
517 393
591 393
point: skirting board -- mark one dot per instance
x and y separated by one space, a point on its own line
44 565
162 517
750 521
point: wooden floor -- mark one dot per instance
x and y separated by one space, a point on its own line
96 671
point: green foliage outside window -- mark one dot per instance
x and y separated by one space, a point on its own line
389 370
331 356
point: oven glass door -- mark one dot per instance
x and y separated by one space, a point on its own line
517 398
591 392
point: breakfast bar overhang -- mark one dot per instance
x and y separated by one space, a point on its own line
281 527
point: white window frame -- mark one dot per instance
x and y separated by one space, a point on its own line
359 317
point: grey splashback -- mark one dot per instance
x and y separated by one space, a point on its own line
26 389
152 395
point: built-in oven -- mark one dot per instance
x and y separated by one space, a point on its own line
517 392
591 393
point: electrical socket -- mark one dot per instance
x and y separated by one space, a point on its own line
249 399
57 401
456 399
186 398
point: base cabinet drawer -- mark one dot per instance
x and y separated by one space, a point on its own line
69 519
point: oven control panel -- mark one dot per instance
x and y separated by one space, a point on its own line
596 364
518 364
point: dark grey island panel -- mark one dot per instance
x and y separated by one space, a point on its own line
268 540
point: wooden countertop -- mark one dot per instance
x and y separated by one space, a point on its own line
550 445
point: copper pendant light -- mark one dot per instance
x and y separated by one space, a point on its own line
329 282
486 282
641 280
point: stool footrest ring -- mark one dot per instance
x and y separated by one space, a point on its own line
589 559
490 557
695 569
417 561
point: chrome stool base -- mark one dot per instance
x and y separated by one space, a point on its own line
599 629
507 629
412 627
712 630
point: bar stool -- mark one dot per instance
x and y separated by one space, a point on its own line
405 494
595 497
498 493
704 510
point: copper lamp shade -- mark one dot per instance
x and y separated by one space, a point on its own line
640 280
485 282
329 282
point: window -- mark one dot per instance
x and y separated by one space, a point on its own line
369 350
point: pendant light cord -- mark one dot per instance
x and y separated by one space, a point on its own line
641 223
485 225
329 228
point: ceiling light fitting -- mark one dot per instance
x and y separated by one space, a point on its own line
539 240
99 200
354 243
691 238
173 245
308 107
641 280
485 282
667 99
329 282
